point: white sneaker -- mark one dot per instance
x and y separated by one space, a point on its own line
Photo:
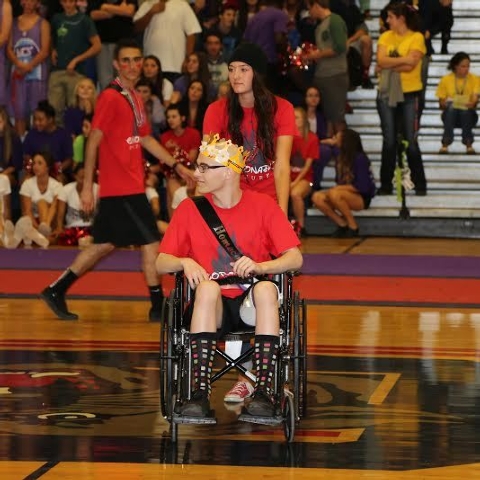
22 226
239 392
45 229
10 239
33 235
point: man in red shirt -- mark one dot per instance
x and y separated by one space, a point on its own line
259 229
119 131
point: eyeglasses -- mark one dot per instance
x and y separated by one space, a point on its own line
203 167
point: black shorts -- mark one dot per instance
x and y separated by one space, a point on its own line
125 220
366 201
231 321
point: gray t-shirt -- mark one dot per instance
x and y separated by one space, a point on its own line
332 33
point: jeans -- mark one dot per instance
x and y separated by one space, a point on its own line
455 118
401 119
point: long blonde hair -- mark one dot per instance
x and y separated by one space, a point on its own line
306 126
93 100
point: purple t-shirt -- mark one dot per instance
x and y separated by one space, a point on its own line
363 179
58 143
263 26
73 120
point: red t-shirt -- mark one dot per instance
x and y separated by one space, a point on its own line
258 173
189 139
256 225
302 149
120 157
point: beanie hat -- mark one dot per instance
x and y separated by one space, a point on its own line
251 54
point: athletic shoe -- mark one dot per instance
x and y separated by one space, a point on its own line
45 229
10 239
261 405
340 232
57 304
154 315
239 392
197 406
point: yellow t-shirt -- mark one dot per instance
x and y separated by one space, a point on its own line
458 89
411 81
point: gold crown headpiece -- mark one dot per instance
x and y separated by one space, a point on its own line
224 152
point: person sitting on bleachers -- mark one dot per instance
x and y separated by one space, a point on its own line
46 136
457 94
39 195
182 143
80 142
11 160
195 68
5 210
230 34
355 186
152 71
305 150
153 106
318 125
74 226
85 99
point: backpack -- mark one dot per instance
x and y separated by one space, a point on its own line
355 73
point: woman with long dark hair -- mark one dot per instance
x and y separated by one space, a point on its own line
195 68
355 185
194 105
152 71
261 122
11 153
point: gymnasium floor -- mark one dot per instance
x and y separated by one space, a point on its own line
393 372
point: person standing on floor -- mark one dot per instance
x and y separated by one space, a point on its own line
119 131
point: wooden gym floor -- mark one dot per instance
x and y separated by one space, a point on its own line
393 376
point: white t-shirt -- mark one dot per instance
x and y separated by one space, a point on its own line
179 195
30 189
4 190
167 90
74 216
166 34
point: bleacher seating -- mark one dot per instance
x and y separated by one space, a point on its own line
452 206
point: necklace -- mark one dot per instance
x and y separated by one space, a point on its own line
134 103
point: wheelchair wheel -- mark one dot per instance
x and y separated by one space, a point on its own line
300 355
167 363
289 419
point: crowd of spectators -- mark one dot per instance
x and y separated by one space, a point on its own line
55 58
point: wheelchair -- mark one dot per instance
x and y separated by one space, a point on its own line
290 378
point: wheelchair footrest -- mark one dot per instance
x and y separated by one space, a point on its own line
270 421
209 420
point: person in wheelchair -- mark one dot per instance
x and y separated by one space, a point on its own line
261 231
